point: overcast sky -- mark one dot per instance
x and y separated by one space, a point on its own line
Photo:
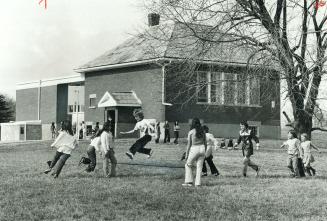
37 44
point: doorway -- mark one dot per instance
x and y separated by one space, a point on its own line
111 117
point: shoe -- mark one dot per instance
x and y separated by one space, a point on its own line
47 171
55 176
216 174
313 172
150 154
49 163
257 171
204 174
129 155
197 186
187 184
88 170
244 174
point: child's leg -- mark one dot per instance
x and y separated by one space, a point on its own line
139 144
146 139
55 159
189 166
92 155
113 162
61 163
290 164
245 165
212 166
253 165
204 167
295 166
168 136
106 164
199 164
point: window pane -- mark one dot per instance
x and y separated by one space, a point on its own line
229 89
241 89
254 91
216 85
92 102
202 87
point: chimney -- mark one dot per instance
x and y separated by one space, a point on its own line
153 19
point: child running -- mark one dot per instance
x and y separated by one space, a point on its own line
64 143
145 128
246 136
103 143
294 151
211 142
307 156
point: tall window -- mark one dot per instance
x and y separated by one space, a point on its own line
228 89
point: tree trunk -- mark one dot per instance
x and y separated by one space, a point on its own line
303 123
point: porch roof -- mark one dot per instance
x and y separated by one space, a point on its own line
120 99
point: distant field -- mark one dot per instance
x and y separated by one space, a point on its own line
155 193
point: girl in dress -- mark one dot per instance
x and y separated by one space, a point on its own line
307 156
65 143
246 136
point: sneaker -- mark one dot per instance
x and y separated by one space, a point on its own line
216 174
313 172
49 163
257 171
47 171
150 154
244 174
187 184
55 176
129 155
80 161
204 174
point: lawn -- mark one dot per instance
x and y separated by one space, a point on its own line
155 193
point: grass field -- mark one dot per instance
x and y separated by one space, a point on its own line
155 193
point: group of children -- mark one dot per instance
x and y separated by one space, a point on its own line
300 157
199 149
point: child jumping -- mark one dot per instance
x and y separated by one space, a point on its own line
294 151
211 142
307 156
146 129
64 143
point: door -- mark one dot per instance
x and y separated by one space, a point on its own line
110 116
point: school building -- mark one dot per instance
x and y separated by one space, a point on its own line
169 74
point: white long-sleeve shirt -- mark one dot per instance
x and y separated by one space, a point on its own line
107 141
211 143
65 142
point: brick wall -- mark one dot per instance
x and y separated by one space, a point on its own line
144 80
48 104
26 104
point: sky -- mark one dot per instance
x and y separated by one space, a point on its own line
38 43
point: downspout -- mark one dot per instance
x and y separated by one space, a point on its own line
39 100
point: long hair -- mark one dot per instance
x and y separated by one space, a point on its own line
67 126
196 124
138 112
106 127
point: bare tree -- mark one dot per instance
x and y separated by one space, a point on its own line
289 35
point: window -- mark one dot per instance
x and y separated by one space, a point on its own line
22 130
74 108
93 99
228 89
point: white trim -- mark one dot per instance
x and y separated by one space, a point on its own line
29 122
157 60
92 96
136 97
112 66
51 82
107 101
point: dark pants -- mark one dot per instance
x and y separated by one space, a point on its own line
167 136
212 166
158 138
92 156
61 159
176 137
139 145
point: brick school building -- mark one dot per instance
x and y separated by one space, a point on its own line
173 77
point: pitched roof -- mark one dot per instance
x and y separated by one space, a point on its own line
115 99
171 41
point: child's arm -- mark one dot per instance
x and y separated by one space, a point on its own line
57 140
315 147
189 144
298 145
238 141
128 132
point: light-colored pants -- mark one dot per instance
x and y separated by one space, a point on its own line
195 160
110 155
292 164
